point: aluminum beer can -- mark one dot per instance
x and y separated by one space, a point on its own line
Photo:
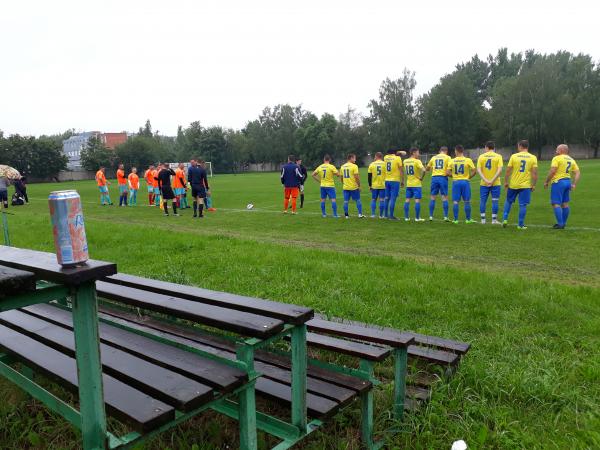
68 228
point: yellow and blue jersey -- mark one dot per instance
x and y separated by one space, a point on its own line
564 165
461 168
439 165
489 163
522 164
327 173
393 167
377 171
348 171
413 169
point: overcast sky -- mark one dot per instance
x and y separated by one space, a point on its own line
110 65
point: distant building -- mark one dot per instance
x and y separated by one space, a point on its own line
73 146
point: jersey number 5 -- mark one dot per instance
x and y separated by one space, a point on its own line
378 170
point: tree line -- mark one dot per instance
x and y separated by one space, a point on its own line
546 98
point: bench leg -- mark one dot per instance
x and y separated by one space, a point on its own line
247 403
400 364
89 370
299 363
366 407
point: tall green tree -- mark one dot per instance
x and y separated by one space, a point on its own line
96 154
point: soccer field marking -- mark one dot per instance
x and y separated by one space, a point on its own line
265 210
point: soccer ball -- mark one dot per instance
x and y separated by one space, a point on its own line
249 206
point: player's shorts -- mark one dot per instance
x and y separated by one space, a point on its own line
167 193
327 192
485 191
179 191
198 190
103 189
392 189
3 196
291 192
524 195
156 191
122 188
150 189
439 185
377 193
414 192
560 192
354 195
461 189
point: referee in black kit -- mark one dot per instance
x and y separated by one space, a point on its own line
199 182
304 174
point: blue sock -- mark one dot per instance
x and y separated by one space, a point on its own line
392 207
346 208
386 205
431 207
107 199
445 205
565 214
373 206
323 209
558 213
406 209
102 199
381 208
418 210
359 206
507 207
468 210
334 208
522 212
455 210
495 206
482 206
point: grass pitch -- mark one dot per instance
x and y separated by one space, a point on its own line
528 301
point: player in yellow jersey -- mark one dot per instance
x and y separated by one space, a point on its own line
462 170
521 178
489 168
438 165
414 171
376 178
351 185
561 168
393 178
325 175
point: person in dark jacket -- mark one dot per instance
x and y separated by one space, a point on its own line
164 184
304 174
21 189
290 178
199 183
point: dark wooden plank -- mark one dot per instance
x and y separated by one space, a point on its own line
122 401
433 356
360 350
317 407
201 369
239 322
441 343
418 393
14 281
45 267
288 313
432 341
225 349
362 333
168 386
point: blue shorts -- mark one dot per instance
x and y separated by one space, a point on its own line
179 191
123 188
103 189
392 189
328 192
560 192
439 185
354 195
414 192
485 191
377 193
150 190
461 189
157 191
524 195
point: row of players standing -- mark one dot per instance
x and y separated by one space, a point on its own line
164 184
386 175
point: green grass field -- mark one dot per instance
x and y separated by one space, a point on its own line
528 301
